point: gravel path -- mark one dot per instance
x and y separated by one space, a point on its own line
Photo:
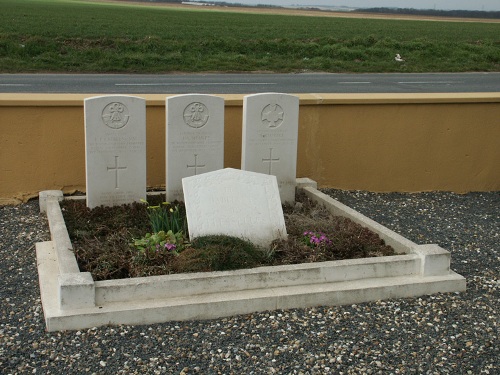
441 334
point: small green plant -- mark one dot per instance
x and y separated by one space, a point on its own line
316 239
160 242
166 217
168 231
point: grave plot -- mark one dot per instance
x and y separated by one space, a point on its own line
243 203
73 300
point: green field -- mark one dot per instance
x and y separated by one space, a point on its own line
79 36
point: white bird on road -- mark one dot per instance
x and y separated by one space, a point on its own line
398 57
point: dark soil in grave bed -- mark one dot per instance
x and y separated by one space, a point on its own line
102 239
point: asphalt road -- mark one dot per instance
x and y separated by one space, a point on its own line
249 83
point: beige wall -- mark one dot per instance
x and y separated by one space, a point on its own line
382 142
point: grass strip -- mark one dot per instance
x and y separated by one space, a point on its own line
79 36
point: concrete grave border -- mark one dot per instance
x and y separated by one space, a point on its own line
72 300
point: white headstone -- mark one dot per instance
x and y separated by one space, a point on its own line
237 203
270 134
195 139
115 150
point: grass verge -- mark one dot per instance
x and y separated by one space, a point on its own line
79 36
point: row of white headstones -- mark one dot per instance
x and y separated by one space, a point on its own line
115 143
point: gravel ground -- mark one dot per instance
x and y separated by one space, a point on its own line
441 334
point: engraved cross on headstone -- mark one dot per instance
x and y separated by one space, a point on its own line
270 160
196 165
116 168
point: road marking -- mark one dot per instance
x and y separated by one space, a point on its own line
428 83
193 84
354 83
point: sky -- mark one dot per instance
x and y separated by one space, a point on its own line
487 5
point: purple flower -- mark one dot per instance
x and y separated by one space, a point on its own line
170 246
316 238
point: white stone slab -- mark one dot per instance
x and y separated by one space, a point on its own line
270 133
194 139
115 150
236 203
